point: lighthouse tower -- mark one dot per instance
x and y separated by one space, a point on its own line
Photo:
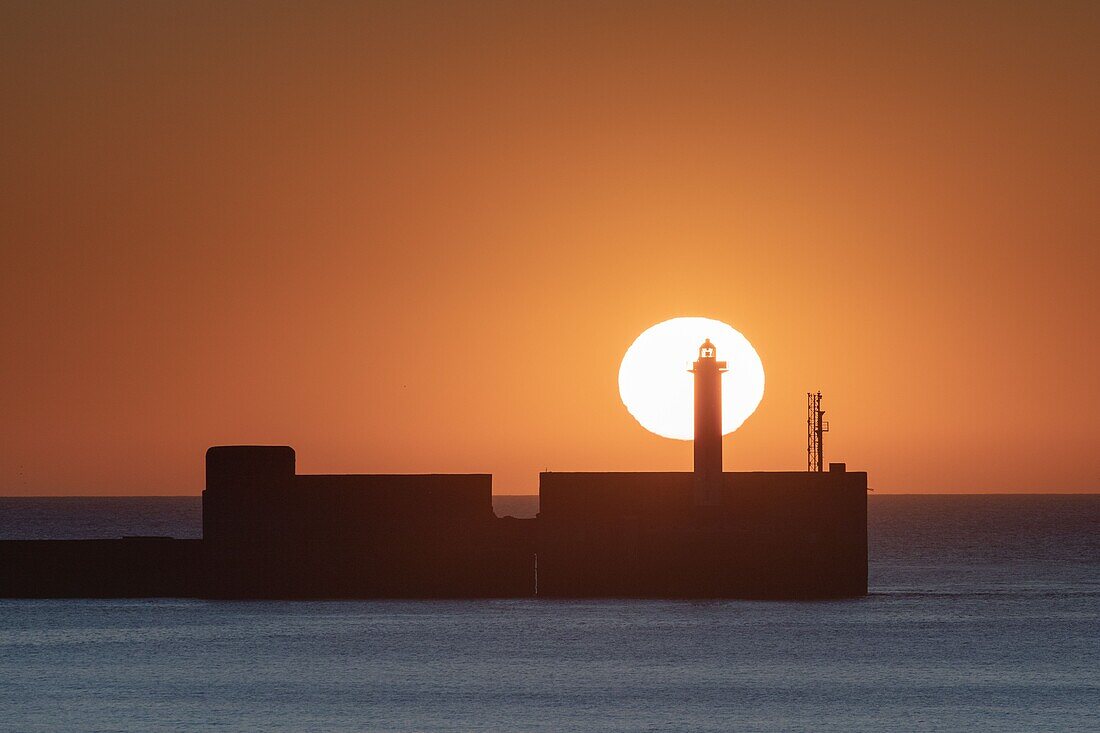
708 425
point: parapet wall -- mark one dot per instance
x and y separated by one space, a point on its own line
773 535
354 536
132 567
270 533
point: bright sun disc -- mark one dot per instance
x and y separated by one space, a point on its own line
658 390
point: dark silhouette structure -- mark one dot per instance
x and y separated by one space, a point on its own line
269 532
816 427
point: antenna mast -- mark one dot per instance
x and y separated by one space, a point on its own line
816 427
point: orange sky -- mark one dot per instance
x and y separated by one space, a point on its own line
419 238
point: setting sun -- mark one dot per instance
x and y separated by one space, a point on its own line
656 387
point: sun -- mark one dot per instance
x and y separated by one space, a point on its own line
657 389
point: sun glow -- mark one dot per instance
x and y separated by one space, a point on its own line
657 389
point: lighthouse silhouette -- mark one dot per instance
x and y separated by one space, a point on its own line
708 426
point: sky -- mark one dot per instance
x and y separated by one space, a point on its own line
419 237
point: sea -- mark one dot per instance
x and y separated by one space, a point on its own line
983 615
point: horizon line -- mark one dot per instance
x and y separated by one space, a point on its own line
1087 492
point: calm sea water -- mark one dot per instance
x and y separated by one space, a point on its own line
984 616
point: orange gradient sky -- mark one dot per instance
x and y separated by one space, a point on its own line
420 237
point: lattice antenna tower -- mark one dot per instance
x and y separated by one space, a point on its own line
816 427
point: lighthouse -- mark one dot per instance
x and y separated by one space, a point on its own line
708 425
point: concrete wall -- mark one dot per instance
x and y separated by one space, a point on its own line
360 536
124 568
269 533
773 535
